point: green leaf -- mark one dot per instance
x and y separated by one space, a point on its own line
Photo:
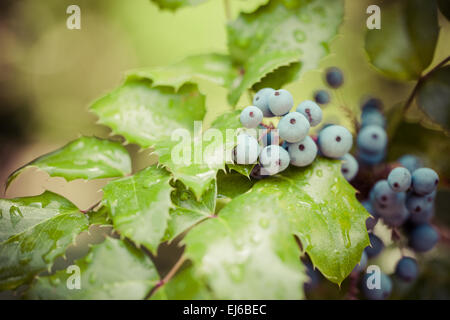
202 163
244 170
184 286
434 96
99 217
139 205
429 144
85 158
187 211
405 44
216 68
176 4
285 37
232 184
146 114
113 269
251 242
34 231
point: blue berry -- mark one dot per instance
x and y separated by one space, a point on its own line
424 181
373 117
371 159
270 137
418 204
372 104
397 217
349 167
251 117
422 217
246 150
423 238
376 246
381 293
280 102
302 153
373 219
410 162
399 179
407 269
273 159
335 141
334 77
322 97
293 127
372 139
362 264
383 193
311 111
261 100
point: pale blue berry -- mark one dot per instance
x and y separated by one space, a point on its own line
261 100
280 102
302 153
293 127
251 117
311 111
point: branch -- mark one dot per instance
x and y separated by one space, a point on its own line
167 277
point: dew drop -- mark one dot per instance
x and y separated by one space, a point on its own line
299 35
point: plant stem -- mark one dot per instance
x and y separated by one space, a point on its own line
419 82
167 277
227 7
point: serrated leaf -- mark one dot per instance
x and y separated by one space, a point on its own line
139 205
113 269
34 231
315 203
202 164
405 44
243 169
84 158
187 210
216 68
232 184
281 37
184 286
176 4
434 96
145 114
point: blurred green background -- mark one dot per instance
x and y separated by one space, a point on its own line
49 75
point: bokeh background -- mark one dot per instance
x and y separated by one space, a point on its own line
49 75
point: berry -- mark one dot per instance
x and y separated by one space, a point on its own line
383 193
399 179
335 141
270 137
349 167
311 111
424 181
373 117
423 238
322 96
397 216
251 117
293 127
280 102
334 77
410 162
372 104
261 100
273 159
418 204
302 153
246 150
422 217
376 246
371 158
362 264
373 219
313 275
373 293
372 139
407 269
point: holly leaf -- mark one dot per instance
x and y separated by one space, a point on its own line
139 205
287 38
250 246
405 44
174 5
84 158
145 114
243 169
111 270
216 68
34 231
232 184
434 96
187 210
203 156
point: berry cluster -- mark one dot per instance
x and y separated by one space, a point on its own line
290 144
